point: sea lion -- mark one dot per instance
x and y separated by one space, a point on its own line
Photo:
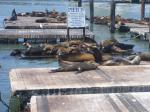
145 56
79 67
123 61
109 42
114 46
16 52
33 51
116 49
97 54
117 62
77 57
106 57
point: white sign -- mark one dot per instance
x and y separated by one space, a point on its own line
76 17
20 40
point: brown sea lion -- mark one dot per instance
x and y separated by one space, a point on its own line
116 49
48 47
108 42
106 57
77 57
79 67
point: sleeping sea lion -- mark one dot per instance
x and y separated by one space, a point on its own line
79 67
77 57
123 61
145 56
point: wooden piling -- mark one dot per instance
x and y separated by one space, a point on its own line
91 11
112 15
142 9
79 3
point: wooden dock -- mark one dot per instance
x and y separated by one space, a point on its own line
40 35
105 79
30 23
138 29
26 83
118 102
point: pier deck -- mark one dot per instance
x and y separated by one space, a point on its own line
118 102
105 79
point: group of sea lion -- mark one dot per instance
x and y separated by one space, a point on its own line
78 55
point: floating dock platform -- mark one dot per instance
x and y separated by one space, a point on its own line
106 79
40 35
29 22
26 29
139 30
118 102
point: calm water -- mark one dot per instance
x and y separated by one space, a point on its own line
101 32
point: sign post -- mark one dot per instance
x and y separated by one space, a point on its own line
76 20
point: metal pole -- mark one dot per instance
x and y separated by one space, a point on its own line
142 9
79 3
68 34
112 16
84 33
149 21
91 11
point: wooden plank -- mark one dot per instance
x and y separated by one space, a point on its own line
105 78
117 102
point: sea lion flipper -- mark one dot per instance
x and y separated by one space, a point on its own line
56 70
